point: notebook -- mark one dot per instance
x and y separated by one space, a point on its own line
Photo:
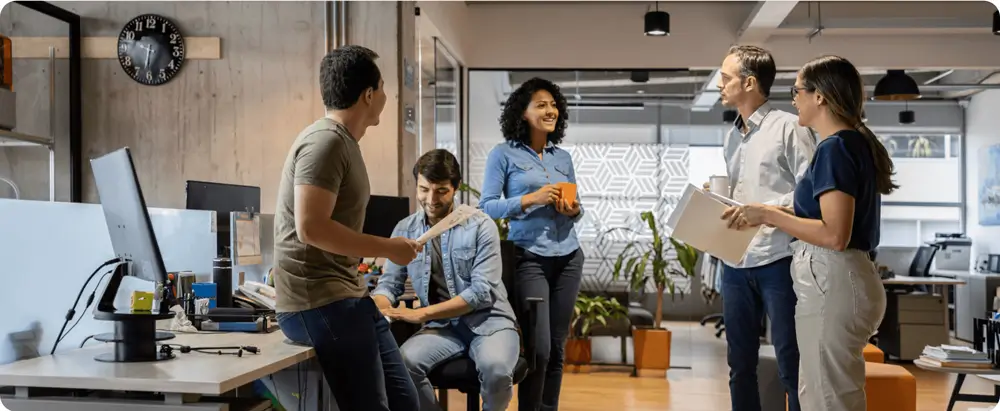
697 221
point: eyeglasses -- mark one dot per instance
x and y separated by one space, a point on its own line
795 90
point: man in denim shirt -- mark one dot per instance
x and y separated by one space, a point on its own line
457 277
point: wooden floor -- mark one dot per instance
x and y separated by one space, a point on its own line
705 386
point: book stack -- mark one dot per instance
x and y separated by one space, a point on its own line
954 356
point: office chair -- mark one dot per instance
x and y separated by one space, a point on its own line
460 373
921 265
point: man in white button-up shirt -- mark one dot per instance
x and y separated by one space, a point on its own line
766 152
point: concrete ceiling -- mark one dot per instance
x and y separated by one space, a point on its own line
599 34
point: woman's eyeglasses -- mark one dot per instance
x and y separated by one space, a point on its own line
795 91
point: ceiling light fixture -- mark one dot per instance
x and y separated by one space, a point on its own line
657 23
896 85
996 22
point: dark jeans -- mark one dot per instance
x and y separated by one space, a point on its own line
360 358
747 294
557 281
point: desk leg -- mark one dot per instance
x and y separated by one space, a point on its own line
956 394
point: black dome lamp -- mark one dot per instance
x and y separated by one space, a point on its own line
657 23
996 22
896 85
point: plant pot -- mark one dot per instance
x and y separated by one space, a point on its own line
578 355
652 351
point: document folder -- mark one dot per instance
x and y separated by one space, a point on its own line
697 221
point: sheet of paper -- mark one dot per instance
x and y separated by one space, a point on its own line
697 221
461 213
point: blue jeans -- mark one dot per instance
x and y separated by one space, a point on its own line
748 294
359 356
495 356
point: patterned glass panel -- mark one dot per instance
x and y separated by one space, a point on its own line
617 182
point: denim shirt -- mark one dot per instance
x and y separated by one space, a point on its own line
473 270
514 170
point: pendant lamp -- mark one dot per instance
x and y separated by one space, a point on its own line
896 85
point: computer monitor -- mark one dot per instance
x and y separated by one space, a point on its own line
223 199
134 242
383 213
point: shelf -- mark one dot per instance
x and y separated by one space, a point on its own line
13 138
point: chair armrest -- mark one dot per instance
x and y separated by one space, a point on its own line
529 336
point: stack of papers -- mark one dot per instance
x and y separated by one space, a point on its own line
697 221
956 357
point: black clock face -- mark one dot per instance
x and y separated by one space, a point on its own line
151 49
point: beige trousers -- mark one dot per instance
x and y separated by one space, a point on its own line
841 302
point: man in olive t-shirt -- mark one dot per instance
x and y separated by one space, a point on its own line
322 300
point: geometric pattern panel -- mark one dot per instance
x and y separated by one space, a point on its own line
616 182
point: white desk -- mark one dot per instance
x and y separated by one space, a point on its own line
181 380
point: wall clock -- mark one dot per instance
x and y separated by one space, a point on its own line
151 49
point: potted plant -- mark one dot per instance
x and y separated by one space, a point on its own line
588 310
652 344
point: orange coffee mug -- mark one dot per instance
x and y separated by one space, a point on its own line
567 193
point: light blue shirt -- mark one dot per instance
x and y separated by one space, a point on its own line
473 270
764 166
514 170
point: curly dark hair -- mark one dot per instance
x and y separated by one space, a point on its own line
345 73
512 123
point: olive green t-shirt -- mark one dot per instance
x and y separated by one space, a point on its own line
305 277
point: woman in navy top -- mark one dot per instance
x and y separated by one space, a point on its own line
836 217
521 184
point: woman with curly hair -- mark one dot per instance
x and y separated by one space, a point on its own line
526 170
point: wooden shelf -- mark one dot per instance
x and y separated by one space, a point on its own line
8 138
195 48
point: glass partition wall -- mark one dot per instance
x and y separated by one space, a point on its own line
39 143
440 98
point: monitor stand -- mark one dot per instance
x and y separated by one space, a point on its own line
135 336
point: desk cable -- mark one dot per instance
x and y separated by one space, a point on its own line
90 300
168 349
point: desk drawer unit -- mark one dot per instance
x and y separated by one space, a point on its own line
912 321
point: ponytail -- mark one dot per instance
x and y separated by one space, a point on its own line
883 163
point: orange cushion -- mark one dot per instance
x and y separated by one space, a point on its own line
873 354
890 388
887 388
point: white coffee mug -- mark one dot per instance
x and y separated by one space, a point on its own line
719 185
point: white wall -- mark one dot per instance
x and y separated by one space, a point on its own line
982 130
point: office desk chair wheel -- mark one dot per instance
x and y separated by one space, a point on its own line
718 334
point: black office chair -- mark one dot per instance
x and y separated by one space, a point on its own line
921 265
461 374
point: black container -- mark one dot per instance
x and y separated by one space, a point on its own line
222 276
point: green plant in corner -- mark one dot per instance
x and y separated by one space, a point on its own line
590 310
502 223
632 263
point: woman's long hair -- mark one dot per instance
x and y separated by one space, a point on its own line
840 84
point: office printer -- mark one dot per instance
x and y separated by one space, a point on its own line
954 251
